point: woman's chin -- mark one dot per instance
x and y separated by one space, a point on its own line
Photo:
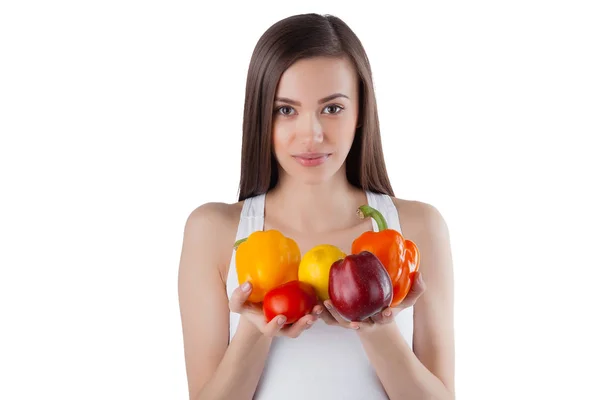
311 176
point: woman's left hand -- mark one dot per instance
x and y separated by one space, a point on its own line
385 316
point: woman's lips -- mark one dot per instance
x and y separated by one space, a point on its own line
311 159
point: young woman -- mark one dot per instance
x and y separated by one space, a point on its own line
311 155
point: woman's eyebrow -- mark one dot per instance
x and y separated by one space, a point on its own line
323 100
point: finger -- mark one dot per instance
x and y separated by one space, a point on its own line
361 325
416 290
239 297
420 281
273 327
384 317
317 310
339 319
328 318
300 326
418 287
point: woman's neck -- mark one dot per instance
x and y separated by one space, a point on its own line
314 208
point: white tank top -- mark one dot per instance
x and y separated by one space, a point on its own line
324 362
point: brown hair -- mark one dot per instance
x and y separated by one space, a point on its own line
285 42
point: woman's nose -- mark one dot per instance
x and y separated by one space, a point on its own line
309 129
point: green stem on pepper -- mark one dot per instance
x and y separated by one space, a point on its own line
237 243
366 211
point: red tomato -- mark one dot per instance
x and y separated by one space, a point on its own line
293 299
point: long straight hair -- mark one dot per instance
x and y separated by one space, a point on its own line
285 42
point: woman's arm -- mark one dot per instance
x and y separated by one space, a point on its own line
215 368
402 374
238 373
428 373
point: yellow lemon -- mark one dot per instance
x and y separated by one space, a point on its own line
314 267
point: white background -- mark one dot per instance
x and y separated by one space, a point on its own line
118 118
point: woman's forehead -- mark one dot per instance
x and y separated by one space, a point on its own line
312 79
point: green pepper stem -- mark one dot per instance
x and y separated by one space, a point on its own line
237 243
366 211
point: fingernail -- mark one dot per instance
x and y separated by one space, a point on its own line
387 313
319 311
355 326
420 279
309 322
246 286
281 320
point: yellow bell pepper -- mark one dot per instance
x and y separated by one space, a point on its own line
315 265
267 259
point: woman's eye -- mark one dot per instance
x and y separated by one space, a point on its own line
285 110
333 109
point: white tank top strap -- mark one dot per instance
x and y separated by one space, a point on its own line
252 217
254 207
385 205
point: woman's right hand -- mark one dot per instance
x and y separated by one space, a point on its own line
276 327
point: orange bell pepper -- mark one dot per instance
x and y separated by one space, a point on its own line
399 256
267 259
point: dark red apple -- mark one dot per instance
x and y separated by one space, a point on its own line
359 286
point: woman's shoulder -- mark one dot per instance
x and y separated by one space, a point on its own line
213 226
418 217
215 214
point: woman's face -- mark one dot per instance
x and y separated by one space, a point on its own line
314 118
